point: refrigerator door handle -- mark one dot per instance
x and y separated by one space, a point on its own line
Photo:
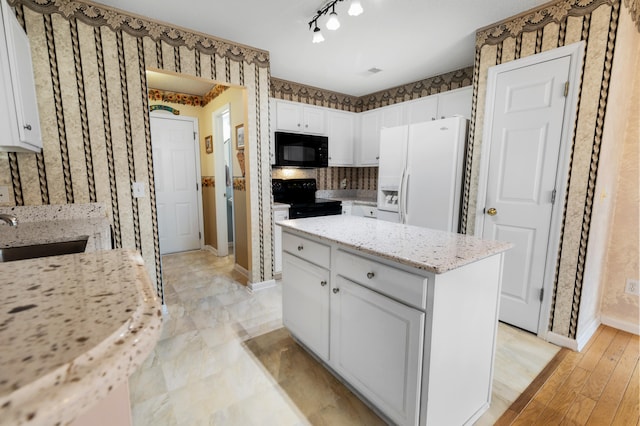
402 197
405 202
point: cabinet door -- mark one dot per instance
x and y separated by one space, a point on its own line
376 345
313 118
21 94
391 116
278 216
369 143
288 116
421 110
455 102
340 138
305 303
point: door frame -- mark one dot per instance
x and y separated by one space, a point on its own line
576 53
198 166
219 167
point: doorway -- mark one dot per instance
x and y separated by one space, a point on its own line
176 161
224 180
530 111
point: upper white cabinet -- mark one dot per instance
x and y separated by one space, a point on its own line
455 102
297 117
420 110
371 122
340 129
18 103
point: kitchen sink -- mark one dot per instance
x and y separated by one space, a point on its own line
78 245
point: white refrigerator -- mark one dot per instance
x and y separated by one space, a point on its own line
420 173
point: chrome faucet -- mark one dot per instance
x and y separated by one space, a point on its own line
9 219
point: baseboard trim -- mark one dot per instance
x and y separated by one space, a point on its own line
262 285
627 326
560 340
589 330
210 249
241 270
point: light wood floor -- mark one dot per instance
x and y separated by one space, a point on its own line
598 386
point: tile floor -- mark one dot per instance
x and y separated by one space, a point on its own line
224 359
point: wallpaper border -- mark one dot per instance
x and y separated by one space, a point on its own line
297 92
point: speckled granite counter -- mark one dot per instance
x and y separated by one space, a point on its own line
51 231
72 328
422 248
363 197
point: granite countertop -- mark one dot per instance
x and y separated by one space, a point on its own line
422 248
52 231
72 328
368 201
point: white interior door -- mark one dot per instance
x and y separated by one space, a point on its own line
176 168
526 124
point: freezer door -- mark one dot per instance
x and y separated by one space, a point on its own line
393 152
435 155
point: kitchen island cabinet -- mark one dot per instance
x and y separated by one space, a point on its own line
412 313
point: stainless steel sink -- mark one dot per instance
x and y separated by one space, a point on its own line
43 250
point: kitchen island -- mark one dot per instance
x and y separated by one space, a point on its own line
405 316
72 330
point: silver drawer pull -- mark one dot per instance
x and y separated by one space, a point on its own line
28 126
370 275
323 283
300 247
335 290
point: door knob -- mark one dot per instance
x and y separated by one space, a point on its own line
323 283
492 211
300 247
335 290
370 275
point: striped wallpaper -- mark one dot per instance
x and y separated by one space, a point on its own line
89 65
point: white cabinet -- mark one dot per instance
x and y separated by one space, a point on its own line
18 103
340 129
418 346
297 117
371 122
347 207
305 303
279 214
376 345
455 102
420 110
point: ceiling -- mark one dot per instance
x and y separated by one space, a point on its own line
409 40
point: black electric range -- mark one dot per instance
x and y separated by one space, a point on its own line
300 194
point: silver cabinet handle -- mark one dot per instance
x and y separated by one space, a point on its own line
335 290
27 126
300 247
323 283
370 275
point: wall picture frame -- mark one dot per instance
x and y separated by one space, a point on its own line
240 136
208 144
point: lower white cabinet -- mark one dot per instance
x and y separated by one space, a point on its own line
305 303
416 345
278 216
376 345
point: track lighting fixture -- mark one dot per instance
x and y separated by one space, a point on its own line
355 9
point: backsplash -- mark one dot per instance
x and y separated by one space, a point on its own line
334 178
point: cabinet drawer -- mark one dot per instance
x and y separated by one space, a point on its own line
307 249
401 285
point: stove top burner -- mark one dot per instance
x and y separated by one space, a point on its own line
300 194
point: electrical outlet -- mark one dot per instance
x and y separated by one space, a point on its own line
632 287
4 194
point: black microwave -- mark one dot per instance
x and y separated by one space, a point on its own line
298 150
